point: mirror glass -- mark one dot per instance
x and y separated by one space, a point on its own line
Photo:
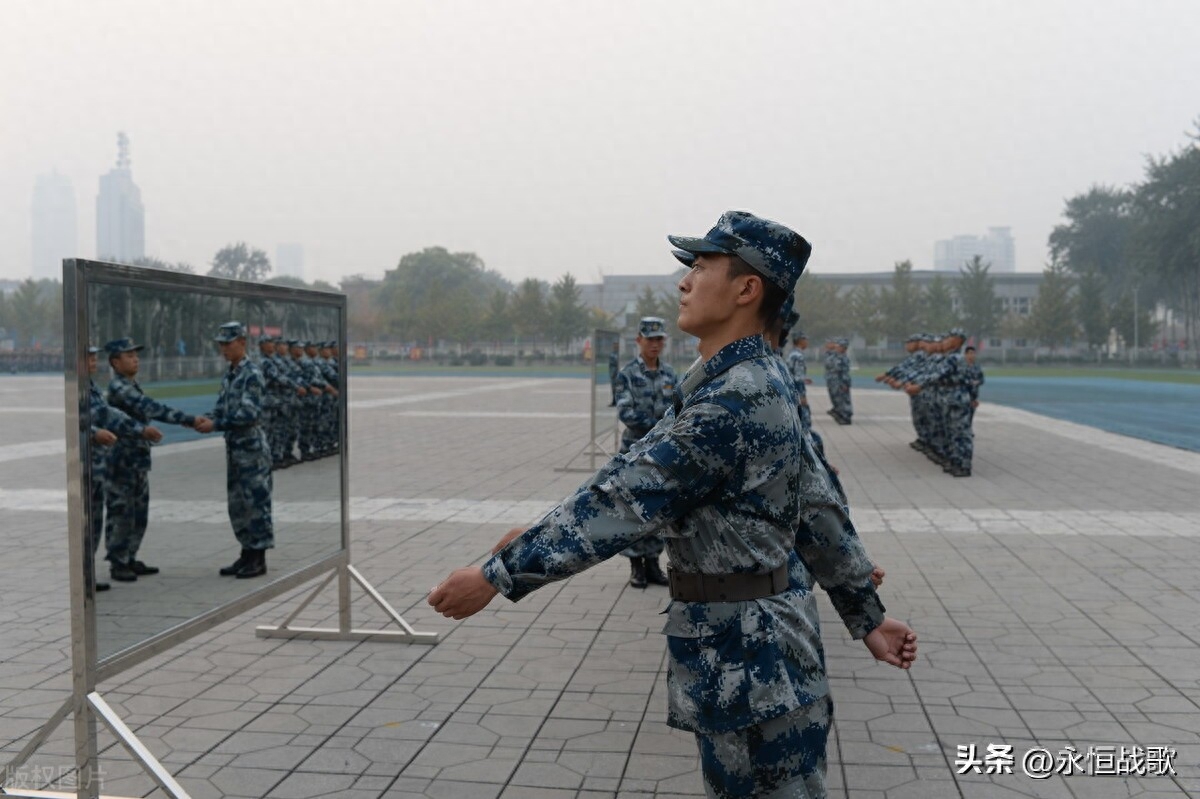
169 503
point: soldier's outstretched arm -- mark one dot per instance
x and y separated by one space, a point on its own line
132 398
658 481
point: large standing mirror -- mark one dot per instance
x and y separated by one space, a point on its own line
188 533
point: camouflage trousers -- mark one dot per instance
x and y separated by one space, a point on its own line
286 431
937 419
310 425
839 396
127 503
329 423
916 409
96 507
783 758
960 437
248 485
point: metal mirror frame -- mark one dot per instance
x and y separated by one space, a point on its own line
78 276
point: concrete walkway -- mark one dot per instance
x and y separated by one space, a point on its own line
1054 593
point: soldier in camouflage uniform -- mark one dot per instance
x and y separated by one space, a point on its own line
837 380
289 432
238 414
800 379
329 411
273 396
107 424
975 380
645 392
724 478
614 368
128 490
947 378
310 406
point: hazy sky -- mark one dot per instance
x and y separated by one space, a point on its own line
573 136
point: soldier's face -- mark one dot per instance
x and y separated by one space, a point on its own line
708 296
92 360
971 357
650 348
126 363
297 352
233 351
311 352
802 343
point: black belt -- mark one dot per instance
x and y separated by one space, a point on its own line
693 587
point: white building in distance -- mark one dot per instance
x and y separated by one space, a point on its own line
120 217
996 248
55 227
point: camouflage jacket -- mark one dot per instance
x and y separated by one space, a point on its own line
643 397
276 382
310 372
837 367
103 416
126 395
239 405
947 373
974 378
614 366
799 371
328 370
726 481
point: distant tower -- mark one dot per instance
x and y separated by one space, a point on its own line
120 218
54 225
289 259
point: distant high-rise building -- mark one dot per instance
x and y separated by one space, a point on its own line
996 248
54 226
289 260
120 218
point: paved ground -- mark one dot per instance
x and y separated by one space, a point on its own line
1054 593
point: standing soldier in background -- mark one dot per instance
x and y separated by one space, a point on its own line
290 422
310 378
837 380
329 409
128 488
274 390
106 424
237 414
974 380
947 377
800 379
645 392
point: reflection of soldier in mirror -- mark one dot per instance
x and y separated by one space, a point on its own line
128 490
645 392
289 431
329 419
614 368
106 424
278 398
238 414
322 443
310 406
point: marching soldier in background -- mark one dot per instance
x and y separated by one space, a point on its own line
107 424
725 479
645 392
837 380
128 488
238 414
947 376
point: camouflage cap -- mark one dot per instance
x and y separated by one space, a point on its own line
957 331
652 327
265 339
842 341
779 253
119 345
230 331
93 350
798 334
294 342
684 257
914 337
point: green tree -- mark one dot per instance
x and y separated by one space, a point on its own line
529 313
497 323
1095 239
1121 316
239 262
1092 308
939 305
27 313
1052 318
902 305
978 306
863 313
822 311
648 304
436 295
566 317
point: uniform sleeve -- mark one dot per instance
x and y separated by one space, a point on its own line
659 481
829 545
313 374
116 421
246 406
130 397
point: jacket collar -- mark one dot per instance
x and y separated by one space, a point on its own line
731 354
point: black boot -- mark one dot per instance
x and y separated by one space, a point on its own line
637 576
654 573
236 566
122 573
256 565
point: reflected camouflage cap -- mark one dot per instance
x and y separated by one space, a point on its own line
93 350
842 342
779 253
957 331
652 327
294 342
119 345
230 331
265 339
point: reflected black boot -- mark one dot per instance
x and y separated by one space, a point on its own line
637 568
256 565
236 566
654 572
